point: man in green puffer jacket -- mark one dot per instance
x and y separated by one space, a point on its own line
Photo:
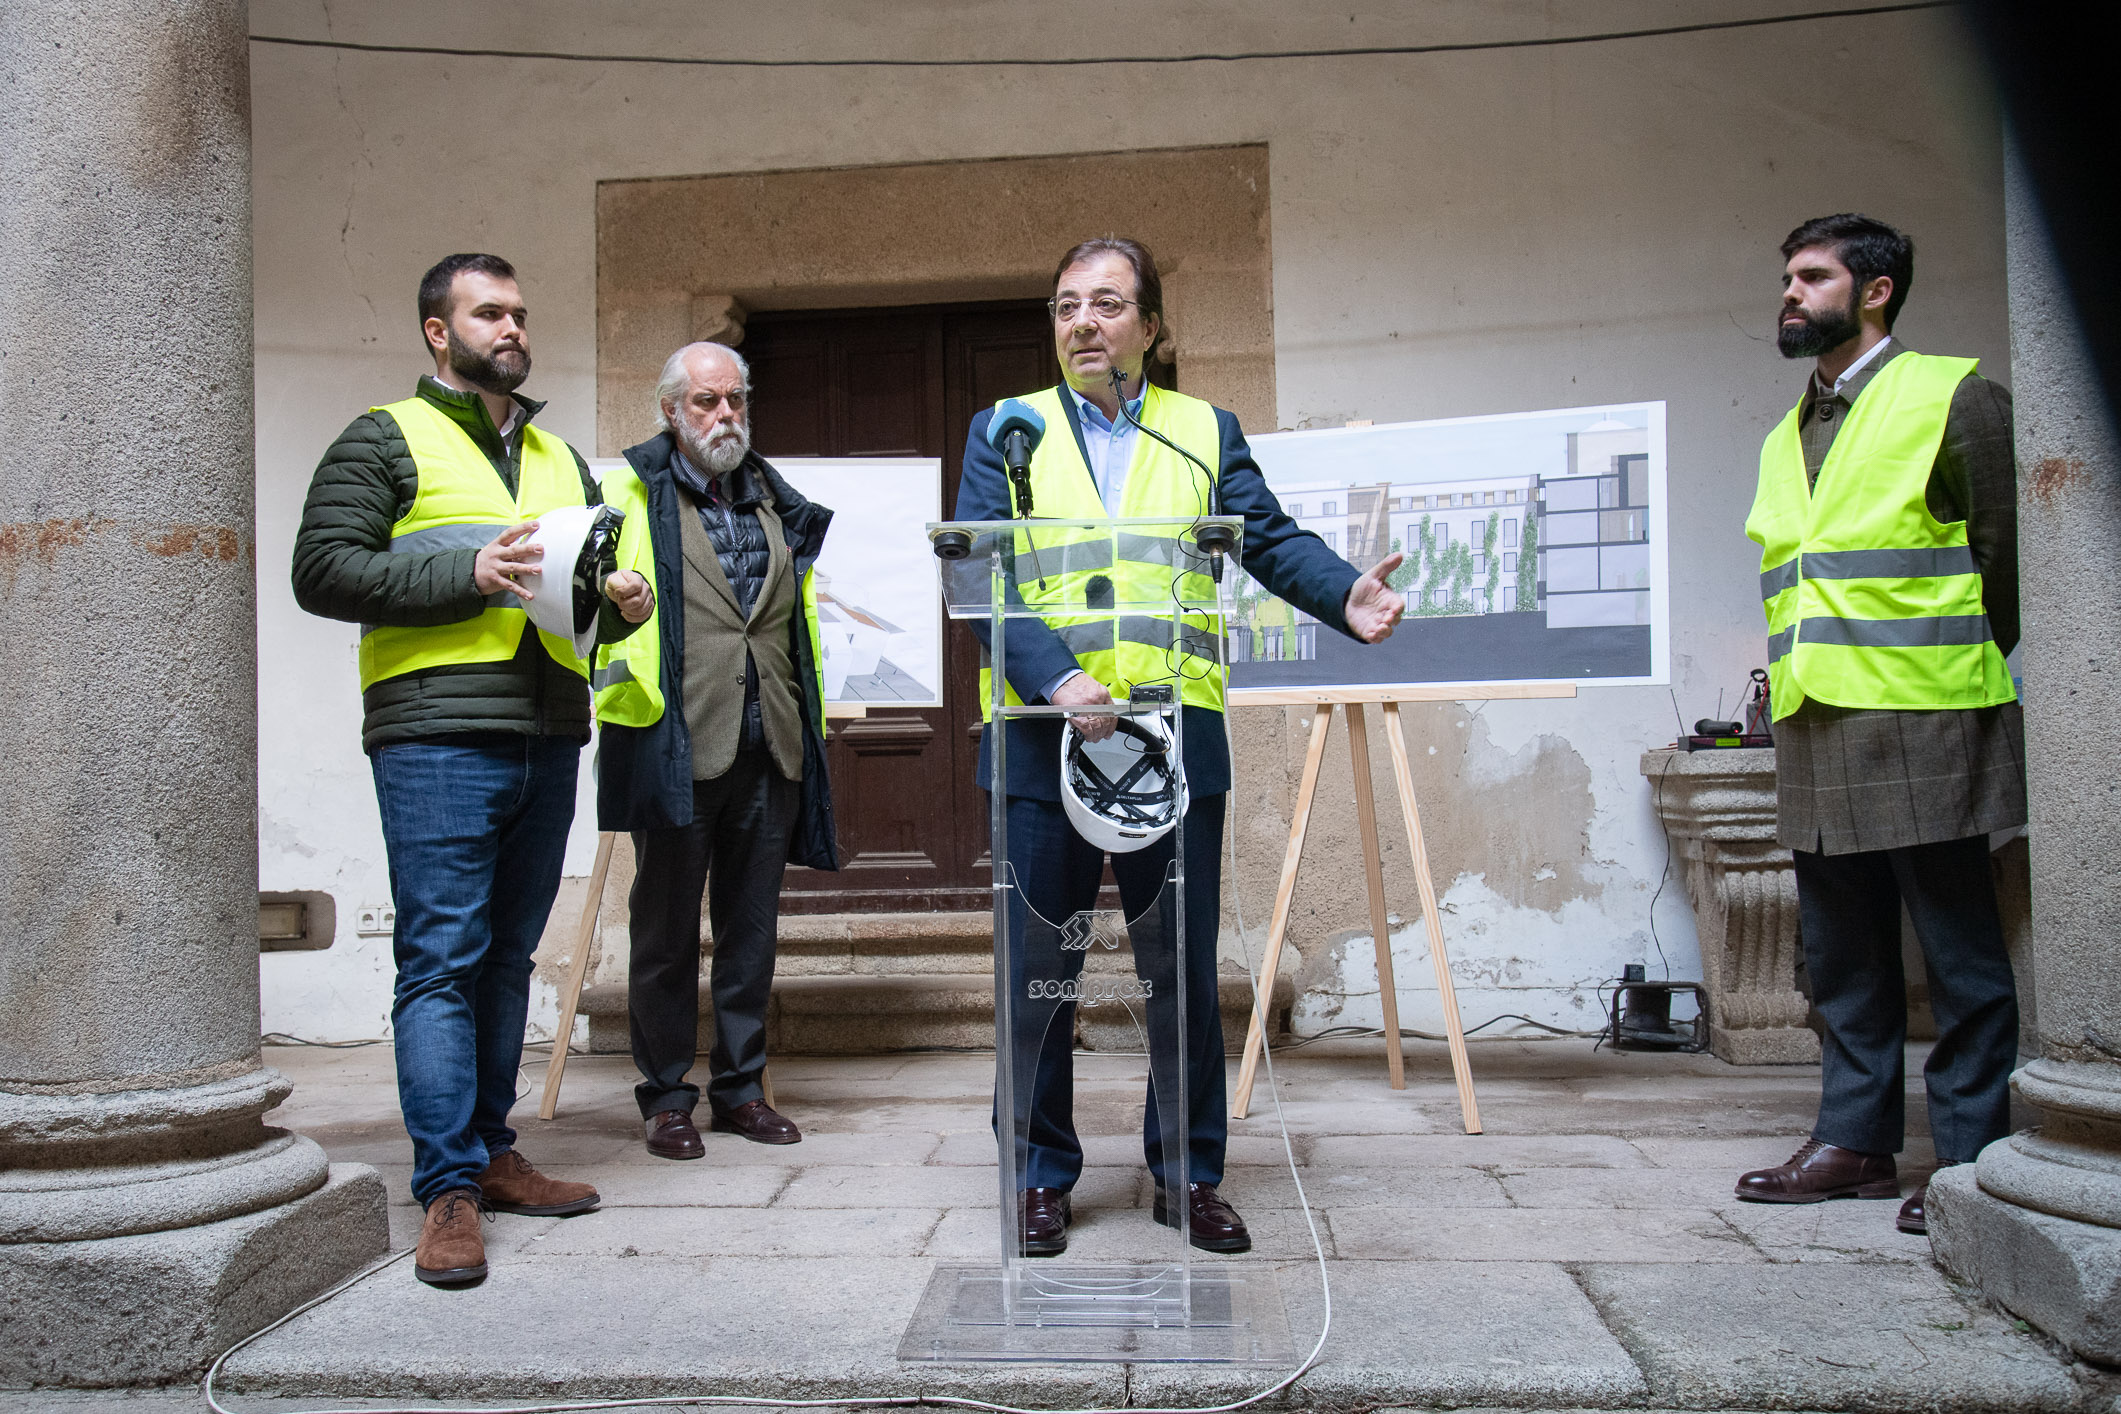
416 528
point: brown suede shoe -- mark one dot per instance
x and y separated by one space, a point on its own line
1212 1224
671 1136
452 1250
1819 1171
511 1185
1914 1215
1042 1216
758 1122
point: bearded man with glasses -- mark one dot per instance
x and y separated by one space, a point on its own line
1117 446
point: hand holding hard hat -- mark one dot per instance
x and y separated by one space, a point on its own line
584 539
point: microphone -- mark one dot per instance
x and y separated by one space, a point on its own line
1215 541
1015 432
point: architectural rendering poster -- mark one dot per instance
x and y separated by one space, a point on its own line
880 610
1535 547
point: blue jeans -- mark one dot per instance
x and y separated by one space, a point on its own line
475 834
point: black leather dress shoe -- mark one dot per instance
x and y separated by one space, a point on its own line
1212 1224
758 1122
671 1136
1042 1221
1819 1171
1914 1215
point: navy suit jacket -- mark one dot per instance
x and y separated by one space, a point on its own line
1289 560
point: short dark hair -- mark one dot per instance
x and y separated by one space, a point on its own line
1148 285
1868 248
437 284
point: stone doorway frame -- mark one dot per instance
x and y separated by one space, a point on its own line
683 258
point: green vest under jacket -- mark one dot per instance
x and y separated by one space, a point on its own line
628 677
1126 648
462 503
1871 601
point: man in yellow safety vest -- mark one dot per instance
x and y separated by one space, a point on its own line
1886 520
1112 448
417 528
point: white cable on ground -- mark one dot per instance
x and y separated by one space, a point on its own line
1318 1249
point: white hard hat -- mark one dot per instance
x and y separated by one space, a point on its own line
579 544
1126 792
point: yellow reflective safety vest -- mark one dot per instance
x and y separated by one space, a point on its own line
1872 601
1126 648
461 503
628 676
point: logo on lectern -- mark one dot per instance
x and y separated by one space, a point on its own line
1093 925
1089 991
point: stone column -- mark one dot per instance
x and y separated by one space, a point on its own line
2037 1222
1718 809
148 1216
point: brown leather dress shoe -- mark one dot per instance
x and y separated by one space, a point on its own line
1212 1224
511 1185
1819 1171
758 1122
671 1136
1914 1215
1042 1216
452 1250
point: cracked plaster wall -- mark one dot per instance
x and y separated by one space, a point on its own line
1451 235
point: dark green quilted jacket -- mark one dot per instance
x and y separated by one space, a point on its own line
345 569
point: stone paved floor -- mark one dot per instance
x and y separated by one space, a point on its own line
1583 1253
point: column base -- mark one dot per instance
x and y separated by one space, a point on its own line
1764 1045
2061 1275
157 1307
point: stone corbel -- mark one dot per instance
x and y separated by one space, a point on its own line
718 319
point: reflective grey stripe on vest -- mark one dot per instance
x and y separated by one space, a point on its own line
1163 551
1156 633
618 672
1939 631
1940 562
1079 557
446 537
1092 637
1778 644
1937 563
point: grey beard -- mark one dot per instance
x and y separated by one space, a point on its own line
718 458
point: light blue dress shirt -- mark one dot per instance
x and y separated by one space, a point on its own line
1111 451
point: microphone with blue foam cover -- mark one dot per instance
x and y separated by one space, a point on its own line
1015 431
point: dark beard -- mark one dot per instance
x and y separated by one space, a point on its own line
489 374
1819 333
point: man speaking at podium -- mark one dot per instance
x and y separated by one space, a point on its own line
1093 461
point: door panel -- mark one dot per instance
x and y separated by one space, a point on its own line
902 382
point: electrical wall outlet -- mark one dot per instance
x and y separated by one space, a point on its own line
375 920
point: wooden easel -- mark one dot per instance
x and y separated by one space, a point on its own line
1354 701
585 936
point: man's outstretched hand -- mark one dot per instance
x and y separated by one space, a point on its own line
1373 606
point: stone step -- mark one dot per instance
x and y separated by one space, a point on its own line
879 944
864 1013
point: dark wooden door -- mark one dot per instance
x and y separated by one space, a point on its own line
898 382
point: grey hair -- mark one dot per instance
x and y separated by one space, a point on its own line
671 384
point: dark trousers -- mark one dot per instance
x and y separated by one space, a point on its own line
1059 873
734 852
1849 905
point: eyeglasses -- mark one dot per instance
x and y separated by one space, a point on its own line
1104 307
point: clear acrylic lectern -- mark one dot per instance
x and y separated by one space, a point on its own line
1127 1288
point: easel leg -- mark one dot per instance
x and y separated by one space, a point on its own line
577 972
1373 867
1306 791
1454 1027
